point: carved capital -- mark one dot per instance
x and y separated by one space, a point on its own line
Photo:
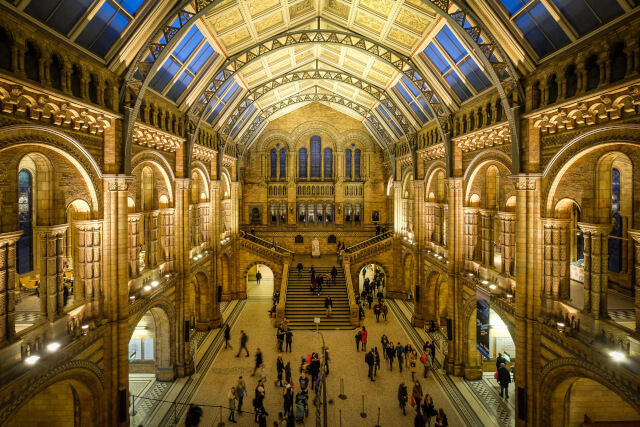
596 229
119 183
454 183
525 182
635 235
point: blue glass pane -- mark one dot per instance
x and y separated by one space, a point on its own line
436 57
404 92
384 112
356 164
458 86
578 14
303 163
215 113
328 162
202 56
179 86
283 163
164 75
25 217
474 74
606 9
110 34
188 44
426 107
131 6
67 14
534 35
274 161
416 109
41 9
411 86
315 156
396 128
514 5
347 163
451 44
232 91
97 24
548 24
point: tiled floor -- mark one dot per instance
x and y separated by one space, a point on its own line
620 307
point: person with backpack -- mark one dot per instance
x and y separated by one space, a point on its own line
385 343
364 334
358 339
370 359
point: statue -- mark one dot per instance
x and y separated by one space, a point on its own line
315 248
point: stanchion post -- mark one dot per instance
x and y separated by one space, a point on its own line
342 395
363 414
340 417
378 425
221 423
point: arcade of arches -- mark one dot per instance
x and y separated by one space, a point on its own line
477 162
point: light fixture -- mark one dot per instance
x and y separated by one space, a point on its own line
85 326
147 288
141 328
167 276
617 356
485 282
154 283
470 274
31 359
509 296
132 298
53 346
560 325
491 286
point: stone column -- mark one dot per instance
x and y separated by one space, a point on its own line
205 224
430 222
507 249
455 229
487 237
556 259
184 360
7 285
152 243
167 238
51 251
596 267
134 244
470 233
418 238
438 224
214 318
635 235
87 287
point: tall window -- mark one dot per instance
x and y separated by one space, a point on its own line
328 162
25 209
274 163
356 164
303 163
283 163
615 241
347 163
315 156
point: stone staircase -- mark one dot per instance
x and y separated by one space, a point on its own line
302 306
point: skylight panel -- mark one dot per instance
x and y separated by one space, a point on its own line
587 15
131 6
541 29
103 30
450 44
513 6
393 124
61 15
458 86
474 74
205 53
437 59
179 86
164 75
188 44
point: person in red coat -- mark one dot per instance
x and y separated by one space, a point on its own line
364 334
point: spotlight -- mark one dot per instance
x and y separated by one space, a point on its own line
486 282
147 288
492 287
470 274
617 356
85 327
154 283
31 360
53 346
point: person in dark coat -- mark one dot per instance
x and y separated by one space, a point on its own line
194 413
370 359
258 361
243 344
299 268
288 338
334 274
499 361
358 339
504 379
227 336
280 368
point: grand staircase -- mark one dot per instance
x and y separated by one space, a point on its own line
302 306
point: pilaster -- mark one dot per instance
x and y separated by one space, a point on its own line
184 360
596 267
7 285
87 287
635 235
51 251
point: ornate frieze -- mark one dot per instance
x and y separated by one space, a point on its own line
155 138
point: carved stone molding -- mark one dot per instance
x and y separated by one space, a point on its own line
484 138
525 182
116 183
433 152
156 138
203 153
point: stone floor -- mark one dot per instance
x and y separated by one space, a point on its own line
620 307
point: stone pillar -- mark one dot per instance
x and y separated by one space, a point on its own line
487 237
151 222
184 360
194 222
556 259
87 287
430 222
470 233
507 249
438 225
418 238
455 229
635 235
596 267
397 207
51 251
167 238
7 285
134 245
214 318
205 224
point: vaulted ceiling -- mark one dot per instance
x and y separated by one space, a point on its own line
396 65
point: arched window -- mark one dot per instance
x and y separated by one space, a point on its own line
55 72
553 90
347 163
25 209
93 89
302 217
356 164
315 156
310 212
32 62
347 212
274 163
76 81
283 163
329 213
5 50
328 162
615 241
618 63
593 72
572 81
480 118
303 163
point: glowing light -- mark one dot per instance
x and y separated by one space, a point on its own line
492 287
470 274
560 325
31 360
617 356
486 282
147 288
53 346
154 283
85 326
141 328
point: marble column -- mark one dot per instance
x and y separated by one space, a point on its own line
455 229
635 235
507 249
596 267
51 251
8 252
87 286
134 244
556 258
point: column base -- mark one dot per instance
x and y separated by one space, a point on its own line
417 321
473 373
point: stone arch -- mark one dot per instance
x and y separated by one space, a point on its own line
84 377
316 126
408 265
199 185
199 298
355 134
272 135
557 377
494 157
203 168
430 173
224 274
430 295
471 356
159 163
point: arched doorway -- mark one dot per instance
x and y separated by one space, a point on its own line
150 349
372 272
198 300
266 285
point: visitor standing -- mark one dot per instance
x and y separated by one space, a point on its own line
364 334
328 305
377 360
334 275
241 391
358 340
232 404
370 360
299 267
258 277
400 355
288 340
504 378
384 341
280 368
258 361
391 354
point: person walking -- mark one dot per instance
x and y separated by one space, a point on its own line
287 373
258 277
369 299
385 310
227 336
314 369
334 275
370 360
300 268
428 409
391 354
288 400
258 400
377 364
376 311
416 392
403 396
504 379
312 272
413 364
364 338
194 413
427 362
280 337
280 368
243 343
328 305
400 355
358 340
418 421
241 391
499 361
288 340
385 343
232 404
258 361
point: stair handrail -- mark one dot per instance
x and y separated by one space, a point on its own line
280 307
369 242
262 242
354 310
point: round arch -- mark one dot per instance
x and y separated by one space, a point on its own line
369 274
495 157
267 281
314 126
148 157
154 323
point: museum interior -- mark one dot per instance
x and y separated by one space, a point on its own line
179 178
